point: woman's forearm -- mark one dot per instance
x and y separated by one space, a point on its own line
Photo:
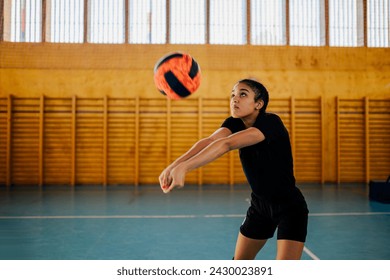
208 154
223 145
195 149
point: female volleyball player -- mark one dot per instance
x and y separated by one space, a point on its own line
266 157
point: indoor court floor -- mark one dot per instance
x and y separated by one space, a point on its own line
128 223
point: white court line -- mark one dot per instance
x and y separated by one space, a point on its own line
224 216
349 214
310 253
105 217
210 216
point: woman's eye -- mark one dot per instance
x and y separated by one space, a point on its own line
243 94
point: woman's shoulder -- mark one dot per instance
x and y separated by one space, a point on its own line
270 124
270 117
234 124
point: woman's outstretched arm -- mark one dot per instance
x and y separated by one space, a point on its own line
165 177
211 152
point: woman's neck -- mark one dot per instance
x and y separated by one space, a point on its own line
250 120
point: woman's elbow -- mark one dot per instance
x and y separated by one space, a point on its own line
207 141
226 144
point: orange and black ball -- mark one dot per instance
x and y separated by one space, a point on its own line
177 75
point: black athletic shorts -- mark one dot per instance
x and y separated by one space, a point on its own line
264 217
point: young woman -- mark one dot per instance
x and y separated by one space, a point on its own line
266 157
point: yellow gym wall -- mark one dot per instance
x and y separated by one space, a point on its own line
295 74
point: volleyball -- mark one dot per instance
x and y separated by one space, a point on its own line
177 75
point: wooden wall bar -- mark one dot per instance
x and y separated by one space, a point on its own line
108 141
378 138
363 139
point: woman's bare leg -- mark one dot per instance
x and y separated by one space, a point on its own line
247 248
289 250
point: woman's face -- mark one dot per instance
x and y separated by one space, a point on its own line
242 102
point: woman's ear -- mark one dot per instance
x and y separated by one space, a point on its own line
259 104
